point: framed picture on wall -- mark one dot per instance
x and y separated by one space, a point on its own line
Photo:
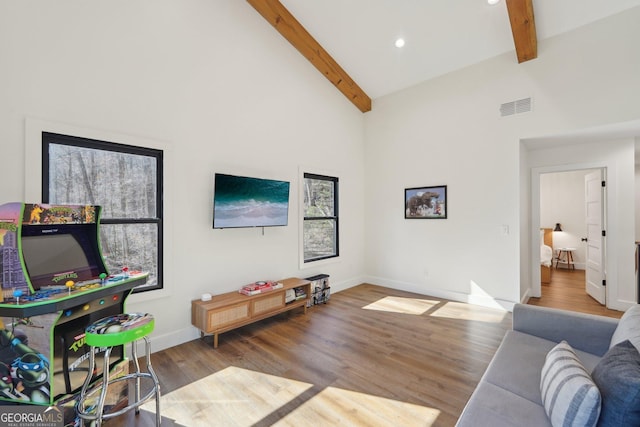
425 202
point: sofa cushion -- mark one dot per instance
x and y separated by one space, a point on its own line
618 378
494 406
628 328
569 395
517 364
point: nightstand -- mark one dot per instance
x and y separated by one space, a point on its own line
565 256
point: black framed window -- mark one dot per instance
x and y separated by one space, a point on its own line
126 181
320 225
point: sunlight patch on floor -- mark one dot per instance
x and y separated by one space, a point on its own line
236 397
464 311
339 407
231 397
402 305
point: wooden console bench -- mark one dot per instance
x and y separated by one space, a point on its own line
231 310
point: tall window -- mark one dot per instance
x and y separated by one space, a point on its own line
320 229
126 181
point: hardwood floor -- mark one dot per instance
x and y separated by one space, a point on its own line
372 356
566 291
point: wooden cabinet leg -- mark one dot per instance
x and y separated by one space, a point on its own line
215 340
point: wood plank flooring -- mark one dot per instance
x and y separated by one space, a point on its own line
372 356
566 291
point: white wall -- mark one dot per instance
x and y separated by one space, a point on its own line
562 201
448 131
216 87
219 90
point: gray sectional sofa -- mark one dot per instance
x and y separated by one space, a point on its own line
509 393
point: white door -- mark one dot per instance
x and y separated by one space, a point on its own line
595 274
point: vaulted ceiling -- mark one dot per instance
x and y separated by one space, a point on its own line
441 35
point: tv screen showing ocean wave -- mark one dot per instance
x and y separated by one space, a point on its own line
249 202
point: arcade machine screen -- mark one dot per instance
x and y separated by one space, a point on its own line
53 255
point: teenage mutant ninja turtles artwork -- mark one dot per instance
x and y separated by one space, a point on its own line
24 370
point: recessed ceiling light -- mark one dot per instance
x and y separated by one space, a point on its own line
492 2
399 42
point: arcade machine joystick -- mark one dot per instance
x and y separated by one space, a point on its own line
103 277
69 284
17 293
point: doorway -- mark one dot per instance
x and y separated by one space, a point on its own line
571 203
585 150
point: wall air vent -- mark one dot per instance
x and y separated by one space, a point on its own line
515 107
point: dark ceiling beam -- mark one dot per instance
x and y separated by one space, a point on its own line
523 27
287 25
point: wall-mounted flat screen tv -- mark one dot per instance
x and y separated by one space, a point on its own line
241 201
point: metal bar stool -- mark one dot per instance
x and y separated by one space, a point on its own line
111 332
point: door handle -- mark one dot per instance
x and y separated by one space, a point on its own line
584 239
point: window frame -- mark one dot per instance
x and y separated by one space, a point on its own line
335 217
49 138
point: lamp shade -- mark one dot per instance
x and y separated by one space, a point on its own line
557 227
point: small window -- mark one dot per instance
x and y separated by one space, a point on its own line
320 227
126 182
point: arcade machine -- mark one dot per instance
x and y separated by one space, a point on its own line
53 283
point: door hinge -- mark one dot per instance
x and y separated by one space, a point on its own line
604 233
604 282
604 183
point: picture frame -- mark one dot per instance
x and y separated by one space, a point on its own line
425 202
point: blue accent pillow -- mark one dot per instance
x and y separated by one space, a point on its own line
617 375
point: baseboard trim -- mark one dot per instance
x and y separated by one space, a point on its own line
481 300
181 336
173 338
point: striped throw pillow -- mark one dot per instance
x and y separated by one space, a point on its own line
569 395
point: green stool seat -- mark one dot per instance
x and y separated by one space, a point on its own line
119 330
104 335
